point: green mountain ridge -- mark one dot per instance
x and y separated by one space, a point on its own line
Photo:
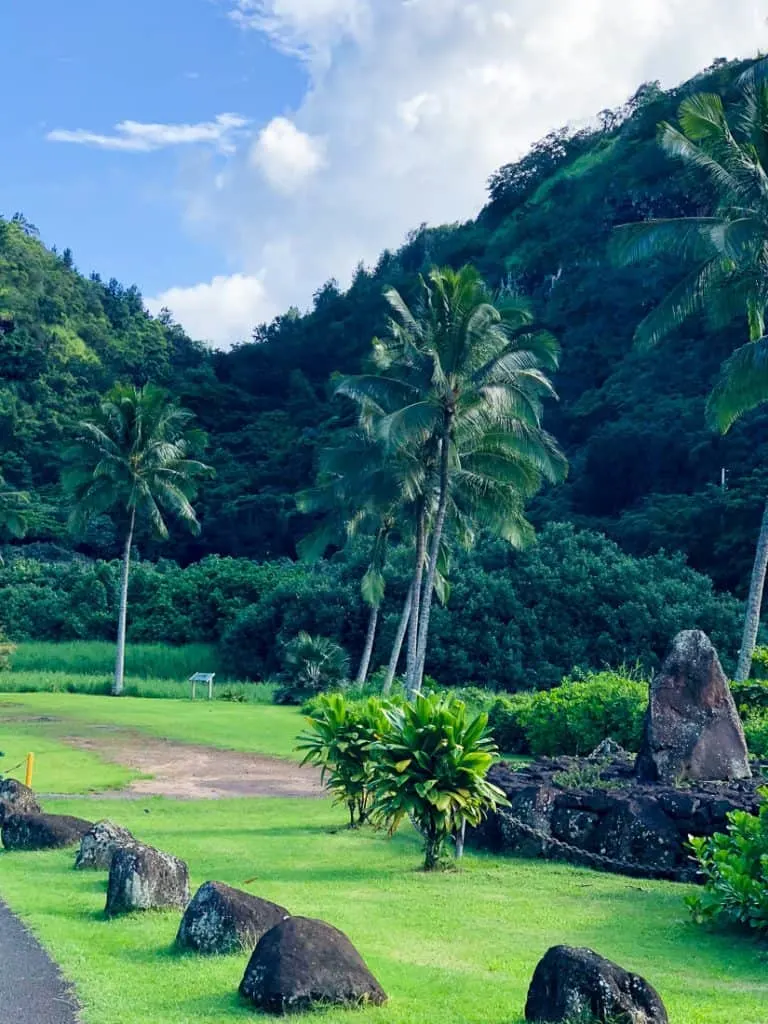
645 468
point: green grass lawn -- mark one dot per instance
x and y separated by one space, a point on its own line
255 728
454 948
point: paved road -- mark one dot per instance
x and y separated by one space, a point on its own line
31 988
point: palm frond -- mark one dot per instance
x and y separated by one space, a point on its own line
741 386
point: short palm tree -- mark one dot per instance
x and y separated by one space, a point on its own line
131 461
461 381
729 276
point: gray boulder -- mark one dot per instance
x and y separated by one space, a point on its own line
692 729
42 831
99 845
224 920
579 985
301 964
16 798
142 878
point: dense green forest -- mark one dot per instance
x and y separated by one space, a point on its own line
645 468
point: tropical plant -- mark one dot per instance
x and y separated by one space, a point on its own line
131 461
460 385
14 507
729 251
735 869
311 664
432 768
339 740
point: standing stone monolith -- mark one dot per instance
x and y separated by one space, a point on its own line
692 729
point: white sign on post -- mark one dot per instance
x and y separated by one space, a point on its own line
203 677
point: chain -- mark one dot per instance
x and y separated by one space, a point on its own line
551 847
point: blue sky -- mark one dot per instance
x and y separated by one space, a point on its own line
229 156
90 64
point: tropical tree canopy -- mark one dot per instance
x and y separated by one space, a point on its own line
133 459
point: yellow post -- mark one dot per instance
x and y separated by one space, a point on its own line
30 769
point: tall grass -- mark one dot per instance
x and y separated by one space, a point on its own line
97 657
152 670
101 684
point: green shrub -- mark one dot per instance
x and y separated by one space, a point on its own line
575 717
339 740
506 720
432 768
760 663
735 867
311 665
756 731
751 697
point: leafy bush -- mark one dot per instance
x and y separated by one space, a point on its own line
339 741
432 768
756 731
573 718
506 720
577 716
735 867
751 697
760 663
311 664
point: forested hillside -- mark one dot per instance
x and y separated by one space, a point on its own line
645 468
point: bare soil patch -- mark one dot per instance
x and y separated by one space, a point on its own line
199 773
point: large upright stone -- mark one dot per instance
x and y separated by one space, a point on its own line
692 728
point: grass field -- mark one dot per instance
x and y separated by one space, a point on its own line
97 657
257 728
452 948
456 948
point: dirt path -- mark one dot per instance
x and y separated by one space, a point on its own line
198 773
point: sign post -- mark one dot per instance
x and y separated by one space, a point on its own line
202 677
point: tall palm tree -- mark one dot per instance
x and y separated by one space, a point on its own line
131 462
461 380
362 490
729 275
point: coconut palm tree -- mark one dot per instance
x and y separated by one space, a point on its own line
131 462
461 381
728 250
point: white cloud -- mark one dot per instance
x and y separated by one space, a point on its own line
306 27
221 311
138 137
286 156
417 102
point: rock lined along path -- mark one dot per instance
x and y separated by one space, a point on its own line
31 989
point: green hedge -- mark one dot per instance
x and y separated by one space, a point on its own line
573 718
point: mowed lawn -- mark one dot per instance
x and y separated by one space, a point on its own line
452 948
254 728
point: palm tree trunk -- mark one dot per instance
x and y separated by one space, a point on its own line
754 603
365 661
413 624
122 620
397 647
429 584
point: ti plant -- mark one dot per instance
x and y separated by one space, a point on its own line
432 768
339 740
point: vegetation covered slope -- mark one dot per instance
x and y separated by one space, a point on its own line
646 469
